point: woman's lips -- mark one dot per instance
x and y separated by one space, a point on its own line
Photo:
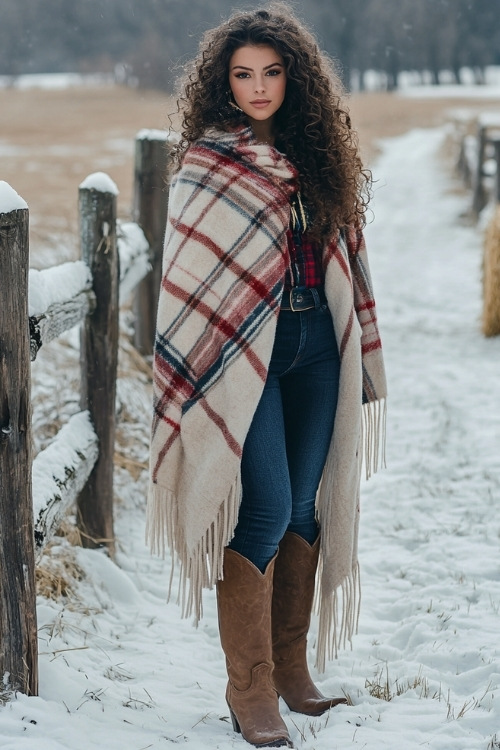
260 103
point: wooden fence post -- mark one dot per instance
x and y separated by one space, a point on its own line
479 194
18 630
150 212
99 354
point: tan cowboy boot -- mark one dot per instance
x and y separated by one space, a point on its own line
293 592
244 606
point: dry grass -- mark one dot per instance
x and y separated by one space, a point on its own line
58 573
134 468
51 140
383 688
68 530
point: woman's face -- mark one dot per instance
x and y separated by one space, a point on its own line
257 78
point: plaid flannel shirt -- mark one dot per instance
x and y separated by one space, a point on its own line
305 266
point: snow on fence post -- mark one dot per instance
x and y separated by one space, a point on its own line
18 629
152 149
99 354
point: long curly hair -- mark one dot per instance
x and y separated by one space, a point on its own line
312 126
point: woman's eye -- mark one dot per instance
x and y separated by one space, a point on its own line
242 75
274 72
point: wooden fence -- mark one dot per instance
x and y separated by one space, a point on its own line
479 161
479 165
78 465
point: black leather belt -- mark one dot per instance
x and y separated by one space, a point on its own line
300 298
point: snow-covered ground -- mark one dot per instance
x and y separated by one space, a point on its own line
420 83
119 669
451 91
55 81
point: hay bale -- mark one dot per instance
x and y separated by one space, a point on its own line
491 278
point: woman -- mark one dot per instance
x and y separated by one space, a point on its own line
267 362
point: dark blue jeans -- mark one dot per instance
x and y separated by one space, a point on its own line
287 444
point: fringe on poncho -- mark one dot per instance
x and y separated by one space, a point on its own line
223 270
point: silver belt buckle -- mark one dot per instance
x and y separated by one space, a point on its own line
299 298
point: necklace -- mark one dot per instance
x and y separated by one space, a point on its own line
299 219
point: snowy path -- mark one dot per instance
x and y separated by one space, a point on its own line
120 670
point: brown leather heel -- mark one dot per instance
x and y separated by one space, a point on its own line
234 720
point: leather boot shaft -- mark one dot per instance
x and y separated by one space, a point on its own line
293 594
244 607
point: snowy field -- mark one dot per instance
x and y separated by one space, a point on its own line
55 81
410 83
120 670
451 91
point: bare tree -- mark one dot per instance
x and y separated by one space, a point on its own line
153 38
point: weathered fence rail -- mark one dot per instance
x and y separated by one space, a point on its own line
60 472
77 467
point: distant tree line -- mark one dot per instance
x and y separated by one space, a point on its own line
150 39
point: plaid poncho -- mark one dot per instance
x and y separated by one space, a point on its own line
224 265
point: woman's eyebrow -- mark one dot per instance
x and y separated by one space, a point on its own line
243 67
